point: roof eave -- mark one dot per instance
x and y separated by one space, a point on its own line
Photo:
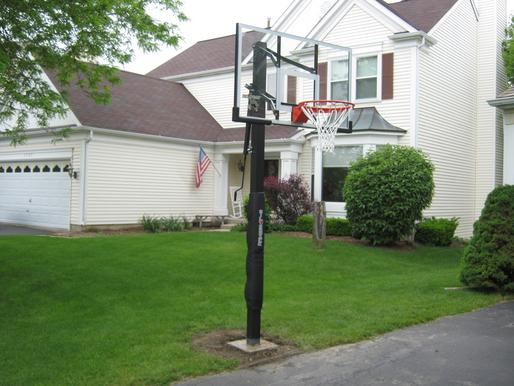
416 36
502 103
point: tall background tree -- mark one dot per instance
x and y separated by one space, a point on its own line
66 37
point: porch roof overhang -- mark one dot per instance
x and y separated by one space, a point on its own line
504 103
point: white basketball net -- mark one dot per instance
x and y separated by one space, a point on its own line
327 116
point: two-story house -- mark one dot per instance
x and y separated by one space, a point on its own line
423 73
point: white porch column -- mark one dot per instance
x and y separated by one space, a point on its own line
288 164
508 148
221 185
318 172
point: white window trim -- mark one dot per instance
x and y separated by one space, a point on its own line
353 84
378 76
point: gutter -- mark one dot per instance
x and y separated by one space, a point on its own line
502 102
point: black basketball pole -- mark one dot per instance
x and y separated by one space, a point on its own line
255 233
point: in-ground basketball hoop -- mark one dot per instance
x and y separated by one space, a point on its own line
326 115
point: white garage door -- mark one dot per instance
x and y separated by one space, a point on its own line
35 194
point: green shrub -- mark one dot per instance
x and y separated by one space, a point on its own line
305 223
386 192
338 227
282 228
239 228
335 226
267 213
436 231
489 258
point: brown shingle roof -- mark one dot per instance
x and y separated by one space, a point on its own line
422 14
142 104
206 55
146 105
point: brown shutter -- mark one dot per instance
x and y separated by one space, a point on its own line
291 89
387 76
322 72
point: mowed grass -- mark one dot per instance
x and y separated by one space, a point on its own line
122 310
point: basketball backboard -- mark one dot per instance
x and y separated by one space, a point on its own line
297 69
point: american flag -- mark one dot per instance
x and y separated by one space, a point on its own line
201 166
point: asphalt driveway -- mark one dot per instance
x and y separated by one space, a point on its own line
470 349
6 230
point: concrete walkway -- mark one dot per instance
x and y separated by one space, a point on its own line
471 349
6 230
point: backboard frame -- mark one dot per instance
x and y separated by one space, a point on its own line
298 69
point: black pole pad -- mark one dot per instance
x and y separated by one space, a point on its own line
254 266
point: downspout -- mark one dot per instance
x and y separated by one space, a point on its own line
83 178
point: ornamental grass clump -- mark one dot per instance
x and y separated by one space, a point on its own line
489 258
386 192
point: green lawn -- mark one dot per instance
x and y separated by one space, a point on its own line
121 310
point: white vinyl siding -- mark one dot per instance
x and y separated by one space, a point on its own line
216 94
489 137
358 28
129 178
501 85
448 115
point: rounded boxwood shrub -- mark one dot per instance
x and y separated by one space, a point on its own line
436 231
338 227
489 258
335 226
386 192
305 223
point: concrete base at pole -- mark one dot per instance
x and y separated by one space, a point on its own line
243 345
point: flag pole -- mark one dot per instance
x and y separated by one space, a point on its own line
212 163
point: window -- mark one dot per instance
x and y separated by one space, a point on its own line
36 169
27 169
339 80
46 169
335 170
367 78
56 169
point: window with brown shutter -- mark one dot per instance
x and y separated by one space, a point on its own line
322 72
387 76
291 89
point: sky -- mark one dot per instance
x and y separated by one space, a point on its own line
214 18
